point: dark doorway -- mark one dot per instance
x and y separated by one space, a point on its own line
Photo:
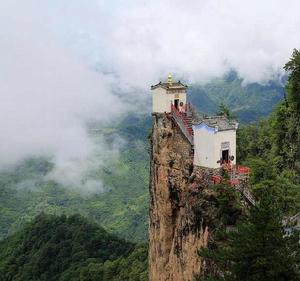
176 103
225 156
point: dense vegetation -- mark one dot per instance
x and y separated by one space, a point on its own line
272 147
262 247
121 208
70 248
257 249
248 102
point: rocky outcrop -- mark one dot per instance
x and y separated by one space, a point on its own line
178 203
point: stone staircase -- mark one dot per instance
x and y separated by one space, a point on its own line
239 179
184 123
240 182
188 119
246 194
238 174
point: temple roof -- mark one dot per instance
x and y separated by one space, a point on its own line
222 123
174 86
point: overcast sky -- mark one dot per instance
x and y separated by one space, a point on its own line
50 50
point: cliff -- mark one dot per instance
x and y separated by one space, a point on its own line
179 205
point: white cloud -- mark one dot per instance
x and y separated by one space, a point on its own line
140 41
47 93
49 50
202 39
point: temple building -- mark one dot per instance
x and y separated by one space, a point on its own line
191 153
167 94
214 141
213 137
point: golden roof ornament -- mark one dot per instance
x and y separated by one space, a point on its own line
170 80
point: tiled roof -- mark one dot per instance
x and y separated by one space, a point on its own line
222 123
167 86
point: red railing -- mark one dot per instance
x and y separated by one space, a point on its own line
216 179
234 171
234 182
243 169
181 117
236 168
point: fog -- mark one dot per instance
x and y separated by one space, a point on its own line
63 61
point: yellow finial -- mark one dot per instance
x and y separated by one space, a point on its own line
170 80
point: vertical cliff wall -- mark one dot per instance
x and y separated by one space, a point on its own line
178 201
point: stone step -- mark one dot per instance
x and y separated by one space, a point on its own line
184 126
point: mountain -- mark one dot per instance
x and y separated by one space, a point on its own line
265 242
248 102
122 208
70 248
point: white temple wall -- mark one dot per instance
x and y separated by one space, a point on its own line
208 145
224 139
204 148
162 100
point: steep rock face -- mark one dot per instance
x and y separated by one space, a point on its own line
178 225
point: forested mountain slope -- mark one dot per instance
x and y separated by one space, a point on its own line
69 248
248 102
122 207
265 242
272 146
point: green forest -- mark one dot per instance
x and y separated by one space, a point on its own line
70 248
265 244
122 208
51 232
248 102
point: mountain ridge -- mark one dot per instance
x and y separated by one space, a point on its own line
122 208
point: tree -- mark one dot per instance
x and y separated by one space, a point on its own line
259 249
224 111
293 86
70 248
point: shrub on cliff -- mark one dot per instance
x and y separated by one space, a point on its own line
259 248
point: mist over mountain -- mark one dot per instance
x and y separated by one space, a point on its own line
78 121
249 102
75 120
102 188
66 64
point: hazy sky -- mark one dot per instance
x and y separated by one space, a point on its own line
50 50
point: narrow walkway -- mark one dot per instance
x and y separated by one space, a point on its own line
184 123
239 177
